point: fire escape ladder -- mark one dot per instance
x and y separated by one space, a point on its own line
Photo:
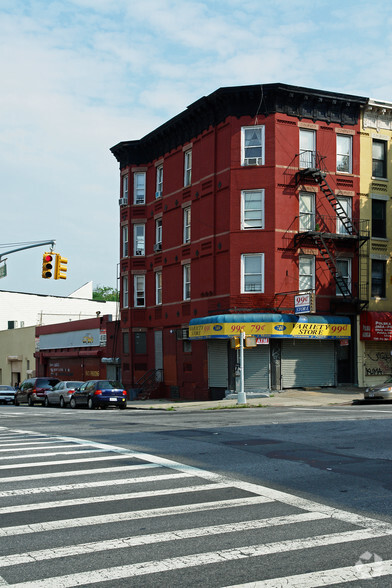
320 177
325 251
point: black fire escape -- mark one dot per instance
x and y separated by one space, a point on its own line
323 233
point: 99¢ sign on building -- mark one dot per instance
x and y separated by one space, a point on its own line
304 303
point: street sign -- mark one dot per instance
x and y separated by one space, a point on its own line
304 303
3 271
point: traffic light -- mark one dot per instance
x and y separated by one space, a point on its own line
47 265
60 267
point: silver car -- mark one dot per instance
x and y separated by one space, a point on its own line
61 393
7 394
380 391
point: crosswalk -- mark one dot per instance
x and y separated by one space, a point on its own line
79 513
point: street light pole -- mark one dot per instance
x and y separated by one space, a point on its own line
241 397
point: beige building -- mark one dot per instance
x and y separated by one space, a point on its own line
17 360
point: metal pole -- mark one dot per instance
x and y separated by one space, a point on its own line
241 398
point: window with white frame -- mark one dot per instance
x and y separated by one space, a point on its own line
252 273
188 167
124 241
139 247
139 187
252 209
307 148
158 234
139 283
344 272
158 287
125 187
344 147
186 274
252 145
307 211
379 158
125 291
306 272
159 181
187 224
346 204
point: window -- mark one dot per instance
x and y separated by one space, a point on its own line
344 153
125 342
306 272
159 184
187 224
252 272
307 148
158 288
379 227
188 168
139 187
187 346
125 187
125 241
378 278
139 290
186 269
158 235
140 340
139 239
252 145
125 291
344 271
379 158
252 209
346 204
306 211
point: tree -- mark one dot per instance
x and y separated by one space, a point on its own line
105 293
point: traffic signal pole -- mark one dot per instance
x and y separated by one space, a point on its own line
52 243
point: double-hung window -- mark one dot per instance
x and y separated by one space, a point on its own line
139 187
306 271
187 224
252 209
186 280
346 208
344 146
307 148
139 285
344 272
125 291
125 187
159 182
188 167
158 287
379 158
158 235
379 225
378 278
124 241
139 239
306 211
252 145
252 273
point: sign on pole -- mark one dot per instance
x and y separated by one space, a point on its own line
3 270
304 303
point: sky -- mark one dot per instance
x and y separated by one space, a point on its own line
79 76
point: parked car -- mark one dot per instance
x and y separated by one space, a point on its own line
379 391
99 393
7 394
61 393
33 390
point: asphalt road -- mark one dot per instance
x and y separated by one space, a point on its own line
289 496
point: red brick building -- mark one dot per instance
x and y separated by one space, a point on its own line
228 211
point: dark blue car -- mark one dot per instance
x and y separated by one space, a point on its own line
99 394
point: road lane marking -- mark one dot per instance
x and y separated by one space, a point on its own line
126 542
9 449
40 464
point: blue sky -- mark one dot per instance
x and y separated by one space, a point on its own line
78 76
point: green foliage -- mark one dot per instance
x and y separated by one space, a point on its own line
105 293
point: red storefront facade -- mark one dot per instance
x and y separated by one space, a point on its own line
79 350
223 186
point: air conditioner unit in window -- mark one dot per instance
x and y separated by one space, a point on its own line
123 201
158 194
139 201
139 252
182 334
158 247
253 161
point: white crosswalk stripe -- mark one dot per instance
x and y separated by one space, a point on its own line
169 499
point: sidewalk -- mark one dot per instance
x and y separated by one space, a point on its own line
299 398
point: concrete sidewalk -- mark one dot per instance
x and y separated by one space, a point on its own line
299 398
